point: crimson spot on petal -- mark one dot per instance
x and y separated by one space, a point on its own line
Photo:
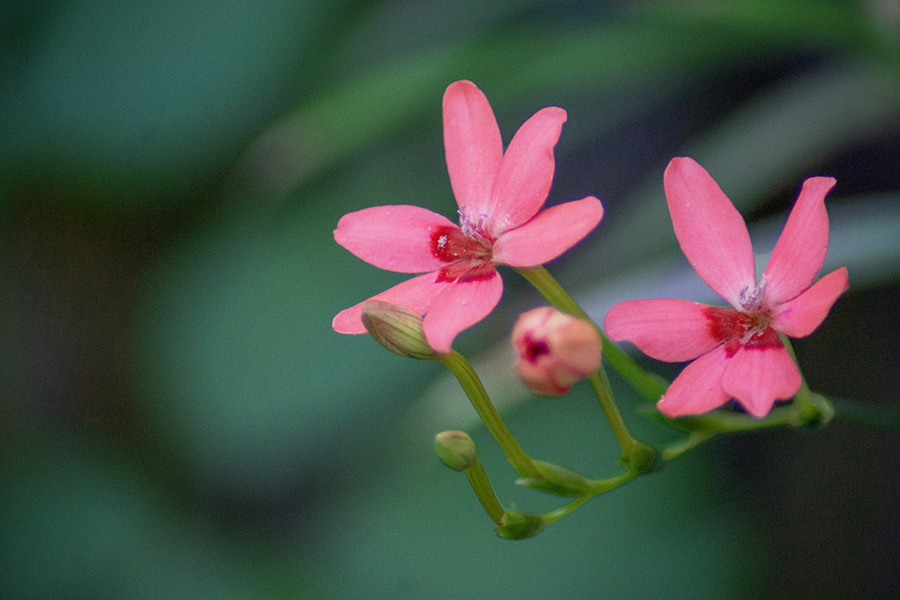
732 346
767 338
450 244
726 323
534 349
467 270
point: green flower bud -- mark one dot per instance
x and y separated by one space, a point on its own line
456 449
396 328
519 526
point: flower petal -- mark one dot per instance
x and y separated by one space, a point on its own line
416 294
698 388
669 330
472 144
801 316
756 376
550 233
461 305
526 172
395 238
710 230
801 249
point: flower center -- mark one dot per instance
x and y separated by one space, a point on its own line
467 257
740 329
534 349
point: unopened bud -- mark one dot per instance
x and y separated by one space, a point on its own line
396 328
518 525
456 449
555 350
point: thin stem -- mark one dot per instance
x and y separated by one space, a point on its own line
474 389
553 515
597 488
649 386
678 448
482 486
724 421
611 411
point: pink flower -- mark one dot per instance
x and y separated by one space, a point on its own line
499 195
737 350
555 350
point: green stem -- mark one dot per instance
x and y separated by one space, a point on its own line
695 439
649 386
482 486
597 488
724 421
474 389
611 411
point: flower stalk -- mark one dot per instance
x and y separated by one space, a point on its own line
481 485
471 384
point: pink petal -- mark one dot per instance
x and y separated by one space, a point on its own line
756 376
698 388
710 230
550 233
526 172
801 316
416 294
462 304
472 144
801 249
395 238
669 330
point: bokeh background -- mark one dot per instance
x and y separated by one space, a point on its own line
178 420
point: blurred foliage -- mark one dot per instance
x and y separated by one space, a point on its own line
179 420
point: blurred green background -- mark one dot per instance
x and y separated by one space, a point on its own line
177 418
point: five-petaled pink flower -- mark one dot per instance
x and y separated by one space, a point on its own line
499 195
738 352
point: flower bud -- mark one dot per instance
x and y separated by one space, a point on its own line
396 328
456 449
555 350
518 525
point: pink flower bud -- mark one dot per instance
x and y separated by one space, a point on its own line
555 350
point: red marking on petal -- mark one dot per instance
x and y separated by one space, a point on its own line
467 270
479 271
534 349
726 323
767 338
450 244
469 258
738 329
732 346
